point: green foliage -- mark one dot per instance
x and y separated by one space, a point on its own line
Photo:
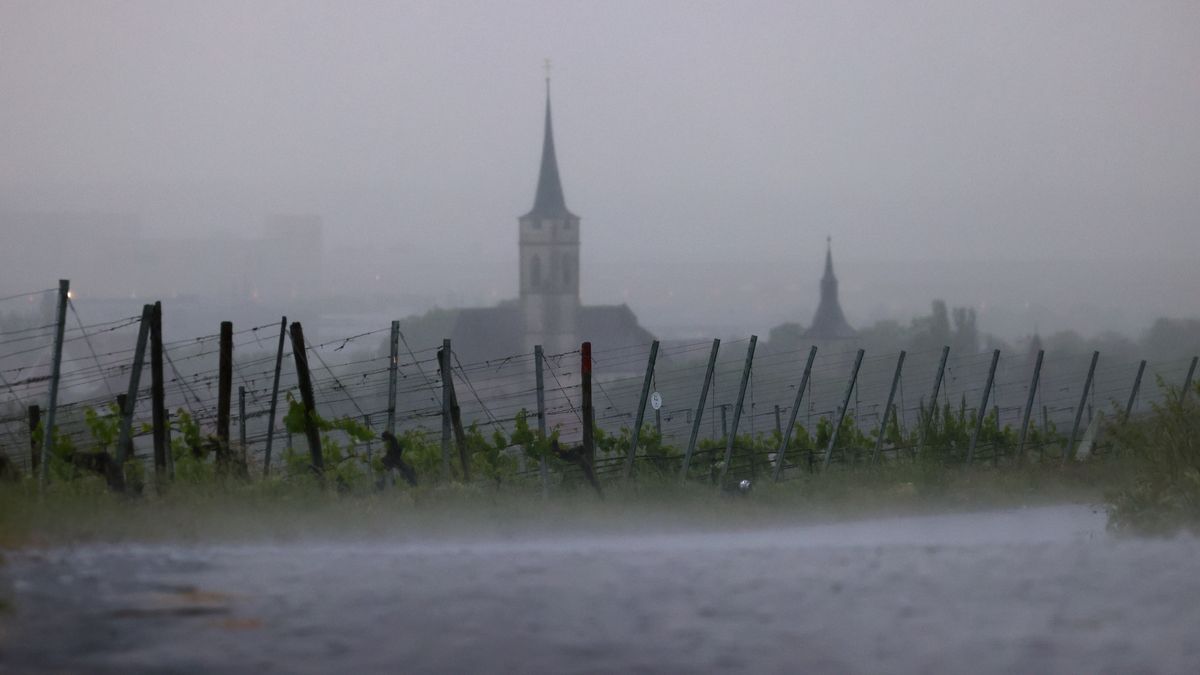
1163 495
103 428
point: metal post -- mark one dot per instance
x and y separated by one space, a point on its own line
224 382
724 421
708 375
933 403
1137 384
982 412
64 289
304 380
274 398
781 454
158 407
841 413
543 470
641 411
737 409
1033 385
888 408
1087 385
124 433
1187 381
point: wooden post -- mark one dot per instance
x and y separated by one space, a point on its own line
589 413
781 455
1087 385
367 423
35 418
304 380
658 421
158 405
841 413
64 289
933 402
982 412
1137 384
225 383
274 398
1045 433
1187 381
393 369
708 375
543 470
170 453
737 410
446 357
888 407
1033 385
724 421
446 384
778 422
242 417
641 411
124 433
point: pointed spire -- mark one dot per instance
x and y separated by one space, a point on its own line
829 322
549 201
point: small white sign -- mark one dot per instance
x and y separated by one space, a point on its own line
656 400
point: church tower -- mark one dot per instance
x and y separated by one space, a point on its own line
549 253
829 323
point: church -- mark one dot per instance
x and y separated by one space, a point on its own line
829 323
548 310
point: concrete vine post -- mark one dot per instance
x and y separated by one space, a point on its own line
635 436
781 454
737 410
708 376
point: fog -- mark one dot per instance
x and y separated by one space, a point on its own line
1035 161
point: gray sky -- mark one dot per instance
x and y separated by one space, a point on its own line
687 132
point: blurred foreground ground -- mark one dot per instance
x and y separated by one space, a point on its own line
1027 590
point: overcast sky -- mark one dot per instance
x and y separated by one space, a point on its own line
738 132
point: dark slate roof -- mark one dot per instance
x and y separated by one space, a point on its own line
611 326
549 201
487 333
829 323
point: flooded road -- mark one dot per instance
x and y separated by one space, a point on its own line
1030 590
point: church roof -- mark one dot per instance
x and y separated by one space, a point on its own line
829 323
487 333
549 201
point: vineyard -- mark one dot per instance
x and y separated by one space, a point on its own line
371 411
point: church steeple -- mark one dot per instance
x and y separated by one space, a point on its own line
829 322
549 253
549 201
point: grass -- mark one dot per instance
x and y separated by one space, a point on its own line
84 510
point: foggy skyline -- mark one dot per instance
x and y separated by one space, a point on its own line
1053 136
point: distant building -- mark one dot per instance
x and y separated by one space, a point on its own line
829 323
548 310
